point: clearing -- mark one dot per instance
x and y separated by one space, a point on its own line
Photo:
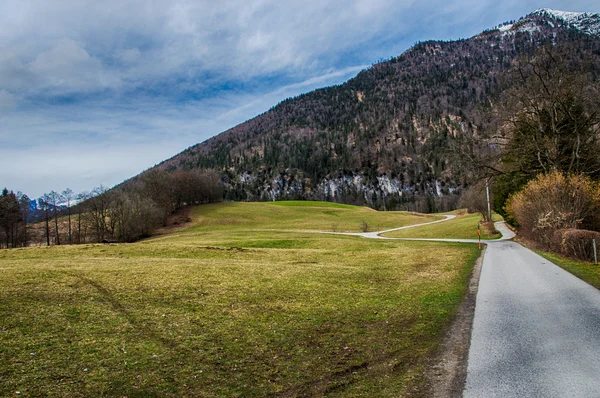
232 306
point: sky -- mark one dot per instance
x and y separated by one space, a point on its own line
94 92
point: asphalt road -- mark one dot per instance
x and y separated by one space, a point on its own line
536 331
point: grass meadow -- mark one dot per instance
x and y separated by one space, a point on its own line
236 304
464 226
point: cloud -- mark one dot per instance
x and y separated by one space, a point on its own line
128 56
7 101
67 67
95 91
87 45
73 167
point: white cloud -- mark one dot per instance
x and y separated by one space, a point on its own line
74 167
104 89
67 67
86 44
72 44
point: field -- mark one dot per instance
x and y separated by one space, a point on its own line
232 305
464 226
299 216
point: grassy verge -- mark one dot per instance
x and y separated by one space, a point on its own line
464 226
584 270
228 307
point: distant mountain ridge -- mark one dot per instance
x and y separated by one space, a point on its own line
383 137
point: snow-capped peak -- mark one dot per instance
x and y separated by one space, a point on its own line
585 22
567 16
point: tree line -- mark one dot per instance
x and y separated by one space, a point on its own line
126 213
14 211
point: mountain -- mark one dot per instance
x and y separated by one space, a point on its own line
384 137
584 22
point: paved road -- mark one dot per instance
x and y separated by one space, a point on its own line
500 226
376 234
536 331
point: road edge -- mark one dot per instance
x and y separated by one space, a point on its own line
447 373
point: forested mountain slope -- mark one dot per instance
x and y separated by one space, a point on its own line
385 137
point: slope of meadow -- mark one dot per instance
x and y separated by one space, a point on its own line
231 306
464 226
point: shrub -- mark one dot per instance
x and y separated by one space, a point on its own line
364 226
576 243
552 202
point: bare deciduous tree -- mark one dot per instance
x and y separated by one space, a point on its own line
44 205
68 195
54 200
551 117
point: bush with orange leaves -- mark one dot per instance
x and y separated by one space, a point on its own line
576 243
552 202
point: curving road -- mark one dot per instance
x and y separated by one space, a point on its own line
376 234
500 226
536 330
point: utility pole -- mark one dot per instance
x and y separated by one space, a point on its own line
487 192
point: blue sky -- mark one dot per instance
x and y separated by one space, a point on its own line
94 92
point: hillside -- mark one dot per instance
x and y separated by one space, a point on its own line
384 138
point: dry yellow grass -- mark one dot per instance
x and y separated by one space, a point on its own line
464 226
228 309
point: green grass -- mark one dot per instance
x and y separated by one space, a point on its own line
584 270
462 227
230 307
308 203
296 216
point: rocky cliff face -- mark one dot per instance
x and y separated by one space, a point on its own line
384 192
386 137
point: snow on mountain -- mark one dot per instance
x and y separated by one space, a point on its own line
564 15
585 22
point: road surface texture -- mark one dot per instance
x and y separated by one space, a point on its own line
536 331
